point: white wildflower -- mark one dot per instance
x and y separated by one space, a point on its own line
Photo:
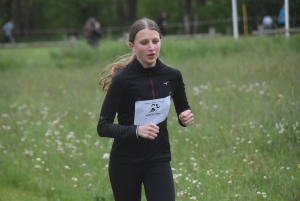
105 156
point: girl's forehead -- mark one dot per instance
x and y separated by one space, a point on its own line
147 33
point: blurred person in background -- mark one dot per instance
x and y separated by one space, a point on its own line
281 18
139 89
92 32
7 28
267 22
162 22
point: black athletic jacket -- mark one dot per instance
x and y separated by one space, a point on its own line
136 83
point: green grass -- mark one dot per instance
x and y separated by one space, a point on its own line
244 144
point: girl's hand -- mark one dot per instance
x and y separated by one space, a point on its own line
148 131
186 118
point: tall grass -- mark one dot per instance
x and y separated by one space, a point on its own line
244 144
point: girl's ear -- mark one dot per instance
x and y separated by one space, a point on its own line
130 44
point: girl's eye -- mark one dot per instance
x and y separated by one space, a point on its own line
144 43
155 42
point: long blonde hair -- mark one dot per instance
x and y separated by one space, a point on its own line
122 61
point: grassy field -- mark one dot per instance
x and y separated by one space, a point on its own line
245 144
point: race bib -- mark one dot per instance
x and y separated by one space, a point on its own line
151 111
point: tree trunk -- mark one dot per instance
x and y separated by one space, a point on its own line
188 6
187 16
132 10
195 24
186 24
8 10
25 10
121 11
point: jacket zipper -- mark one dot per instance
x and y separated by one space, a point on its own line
152 87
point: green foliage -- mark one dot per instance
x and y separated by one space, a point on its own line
145 8
212 11
243 145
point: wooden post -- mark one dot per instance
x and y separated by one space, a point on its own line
186 24
195 24
212 32
261 30
245 19
73 41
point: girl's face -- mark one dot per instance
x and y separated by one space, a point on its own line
146 47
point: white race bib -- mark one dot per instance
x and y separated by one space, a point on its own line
151 111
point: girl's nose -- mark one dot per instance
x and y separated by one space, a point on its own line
151 46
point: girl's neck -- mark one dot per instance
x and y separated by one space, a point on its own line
145 65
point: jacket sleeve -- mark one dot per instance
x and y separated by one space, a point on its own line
179 98
106 126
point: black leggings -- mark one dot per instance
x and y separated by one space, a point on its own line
127 179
